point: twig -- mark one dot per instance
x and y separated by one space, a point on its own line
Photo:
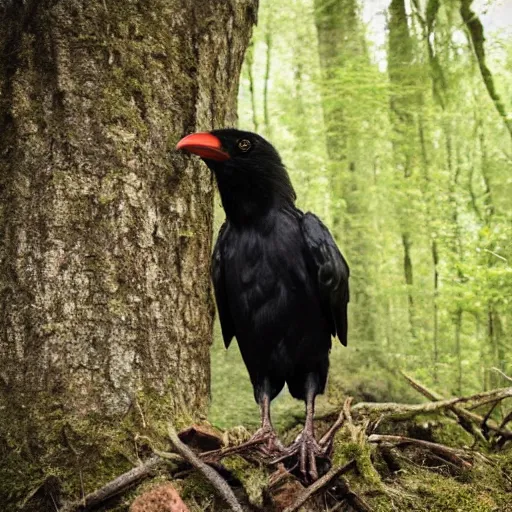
449 453
348 417
328 437
492 400
320 484
483 426
215 479
216 455
502 374
356 502
114 487
506 420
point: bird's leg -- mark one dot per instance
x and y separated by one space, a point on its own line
266 433
306 445
309 448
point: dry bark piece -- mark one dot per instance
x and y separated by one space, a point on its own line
201 437
163 498
282 490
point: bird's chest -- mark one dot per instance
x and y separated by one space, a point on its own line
266 273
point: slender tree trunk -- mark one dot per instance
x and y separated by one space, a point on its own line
106 313
405 99
434 249
494 323
435 335
483 357
341 41
458 348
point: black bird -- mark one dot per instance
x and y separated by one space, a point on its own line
281 283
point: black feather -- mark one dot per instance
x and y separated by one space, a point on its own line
219 286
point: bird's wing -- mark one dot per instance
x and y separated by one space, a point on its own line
332 273
219 285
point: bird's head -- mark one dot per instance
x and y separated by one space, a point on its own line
250 174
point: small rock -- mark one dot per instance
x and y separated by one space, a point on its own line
162 498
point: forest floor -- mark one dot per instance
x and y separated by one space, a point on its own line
443 454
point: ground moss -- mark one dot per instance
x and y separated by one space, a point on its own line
346 450
452 434
195 488
253 478
483 489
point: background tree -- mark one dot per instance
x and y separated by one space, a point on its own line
105 239
344 63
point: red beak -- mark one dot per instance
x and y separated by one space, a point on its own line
205 145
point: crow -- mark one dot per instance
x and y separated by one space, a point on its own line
280 281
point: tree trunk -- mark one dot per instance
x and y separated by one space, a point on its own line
106 310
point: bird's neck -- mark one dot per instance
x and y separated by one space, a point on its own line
247 203
249 197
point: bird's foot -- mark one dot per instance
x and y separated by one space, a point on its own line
307 450
268 441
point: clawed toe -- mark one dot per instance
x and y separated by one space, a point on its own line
307 450
269 443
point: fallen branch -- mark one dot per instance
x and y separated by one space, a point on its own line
320 484
451 454
464 419
492 396
398 411
214 478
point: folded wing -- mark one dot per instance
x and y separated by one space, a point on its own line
332 273
219 286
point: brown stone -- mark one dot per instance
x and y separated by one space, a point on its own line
163 498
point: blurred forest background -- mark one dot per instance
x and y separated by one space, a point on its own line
394 119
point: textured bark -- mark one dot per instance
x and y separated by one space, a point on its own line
106 310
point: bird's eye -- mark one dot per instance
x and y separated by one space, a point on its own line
244 145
